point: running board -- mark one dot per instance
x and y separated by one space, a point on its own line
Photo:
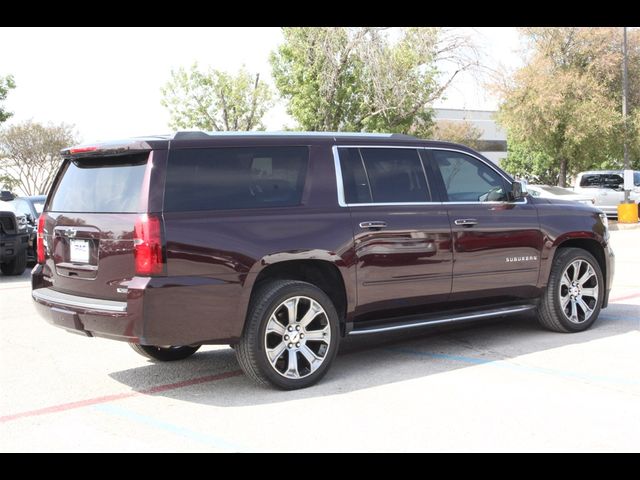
498 312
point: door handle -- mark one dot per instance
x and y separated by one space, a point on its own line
373 224
466 222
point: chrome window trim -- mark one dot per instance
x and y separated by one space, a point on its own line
340 181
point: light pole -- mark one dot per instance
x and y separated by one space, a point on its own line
625 94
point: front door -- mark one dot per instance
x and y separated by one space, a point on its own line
402 239
496 243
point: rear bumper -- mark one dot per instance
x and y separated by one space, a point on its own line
157 311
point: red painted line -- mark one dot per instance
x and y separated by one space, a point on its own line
15 288
193 381
62 407
624 297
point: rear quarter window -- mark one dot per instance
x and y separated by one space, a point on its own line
235 178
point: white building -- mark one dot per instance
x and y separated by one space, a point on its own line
493 142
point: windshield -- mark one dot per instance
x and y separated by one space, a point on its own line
39 206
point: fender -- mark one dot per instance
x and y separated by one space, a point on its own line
344 263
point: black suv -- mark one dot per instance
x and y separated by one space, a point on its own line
282 244
14 239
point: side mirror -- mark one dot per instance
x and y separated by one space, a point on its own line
517 192
6 196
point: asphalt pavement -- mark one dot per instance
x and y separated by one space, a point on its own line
503 385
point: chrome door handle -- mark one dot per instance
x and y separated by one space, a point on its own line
374 224
466 222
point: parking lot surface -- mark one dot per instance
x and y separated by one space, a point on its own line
504 385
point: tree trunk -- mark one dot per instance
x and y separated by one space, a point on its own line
562 180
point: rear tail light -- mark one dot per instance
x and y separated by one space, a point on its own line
147 242
40 240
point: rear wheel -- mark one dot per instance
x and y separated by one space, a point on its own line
291 336
574 294
167 353
16 266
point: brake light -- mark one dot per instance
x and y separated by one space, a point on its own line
40 239
75 150
147 242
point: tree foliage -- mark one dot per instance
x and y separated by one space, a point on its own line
30 154
213 100
360 79
565 103
6 83
462 131
526 163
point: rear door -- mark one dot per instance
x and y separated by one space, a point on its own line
89 223
496 243
402 239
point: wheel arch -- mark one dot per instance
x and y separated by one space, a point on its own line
326 271
587 243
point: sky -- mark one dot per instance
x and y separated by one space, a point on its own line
106 81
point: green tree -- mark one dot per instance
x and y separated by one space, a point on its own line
6 83
214 100
463 132
30 154
565 103
524 162
360 79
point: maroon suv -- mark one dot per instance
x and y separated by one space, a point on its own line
281 244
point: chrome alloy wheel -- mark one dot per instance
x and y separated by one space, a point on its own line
578 291
297 337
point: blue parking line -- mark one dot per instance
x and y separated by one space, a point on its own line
207 439
504 364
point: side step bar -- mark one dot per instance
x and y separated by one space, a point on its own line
438 320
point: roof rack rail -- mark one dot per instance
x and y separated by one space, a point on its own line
401 136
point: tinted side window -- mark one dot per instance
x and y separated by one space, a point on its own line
395 175
101 185
232 178
594 181
354 178
467 179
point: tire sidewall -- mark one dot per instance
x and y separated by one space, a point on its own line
554 289
261 318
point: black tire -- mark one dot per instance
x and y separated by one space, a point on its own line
550 312
165 354
16 266
251 352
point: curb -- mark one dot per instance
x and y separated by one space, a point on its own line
624 226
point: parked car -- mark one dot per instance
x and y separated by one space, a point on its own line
547 191
606 186
14 238
29 209
282 244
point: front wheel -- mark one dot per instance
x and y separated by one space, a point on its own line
168 353
291 336
574 293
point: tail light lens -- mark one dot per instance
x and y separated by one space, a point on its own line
40 239
148 246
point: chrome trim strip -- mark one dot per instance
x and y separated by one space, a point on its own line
473 316
340 183
64 299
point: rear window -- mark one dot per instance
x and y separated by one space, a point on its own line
234 178
601 180
101 185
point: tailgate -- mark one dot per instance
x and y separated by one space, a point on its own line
89 224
